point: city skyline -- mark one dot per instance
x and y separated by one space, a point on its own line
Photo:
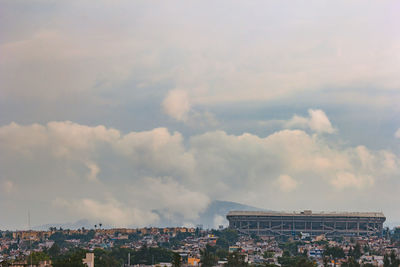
128 112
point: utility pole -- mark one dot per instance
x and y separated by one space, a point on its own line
129 259
30 235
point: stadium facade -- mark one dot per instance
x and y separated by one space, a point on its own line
307 222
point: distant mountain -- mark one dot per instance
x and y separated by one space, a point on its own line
213 216
76 225
218 210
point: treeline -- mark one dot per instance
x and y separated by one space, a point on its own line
103 258
291 256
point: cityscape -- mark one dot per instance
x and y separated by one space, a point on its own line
287 241
208 133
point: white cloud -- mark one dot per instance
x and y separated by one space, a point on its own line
176 104
93 171
170 197
317 121
110 211
212 66
8 186
159 170
220 220
286 183
397 134
350 180
58 71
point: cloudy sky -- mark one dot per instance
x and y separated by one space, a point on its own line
112 109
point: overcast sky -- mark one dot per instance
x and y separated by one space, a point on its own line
112 109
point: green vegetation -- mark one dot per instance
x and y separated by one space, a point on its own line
288 260
176 260
291 247
236 260
268 254
118 256
72 258
391 260
106 258
255 237
208 256
59 237
334 252
356 252
396 235
226 237
54 251
211 254
36 257
351 262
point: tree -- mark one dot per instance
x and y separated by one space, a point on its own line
396 234
325 261
236 260
8 234
54 251
222 253
357 251
299 261
176 260
230 235
304 262
222 242
334 252
351 262
149 256
197 232
255 237
58 237
207 257
391 260
36 257
72 259
291 247
103 258
268 254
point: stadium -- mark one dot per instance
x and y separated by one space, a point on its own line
307 222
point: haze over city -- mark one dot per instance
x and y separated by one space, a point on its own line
134 112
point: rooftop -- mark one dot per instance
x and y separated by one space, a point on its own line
307 213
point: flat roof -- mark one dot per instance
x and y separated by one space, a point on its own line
308 213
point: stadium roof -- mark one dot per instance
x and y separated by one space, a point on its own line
308 213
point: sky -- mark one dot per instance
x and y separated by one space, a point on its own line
110 110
